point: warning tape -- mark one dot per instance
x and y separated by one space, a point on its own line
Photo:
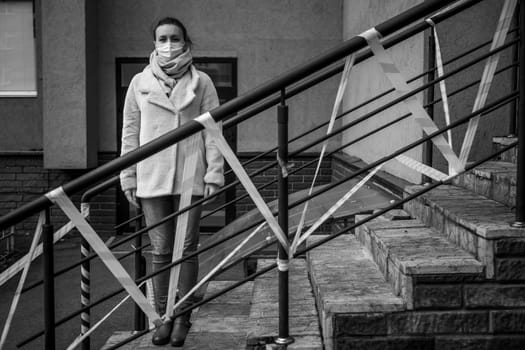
349 63
207 121
414 106
421 168
7 274
336 206
88 332
59 197
188 175
442 84
18 291
219 266
488 76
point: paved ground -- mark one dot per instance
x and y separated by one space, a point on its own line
29 316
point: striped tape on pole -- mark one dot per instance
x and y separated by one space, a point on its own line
442 84
59 197
85 267
84 336
421 168
188 175
18 291
349 63
414 106
488 76
336 206
207 121
16 267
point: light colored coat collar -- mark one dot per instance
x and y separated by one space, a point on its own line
181 96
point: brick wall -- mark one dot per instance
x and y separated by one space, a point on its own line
23 178
298 181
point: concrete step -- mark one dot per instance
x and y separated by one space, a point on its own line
219 325
502 141
417 261
264 312
495 180
348 287
476 224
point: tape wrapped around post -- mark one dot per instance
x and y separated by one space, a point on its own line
400 84
283 264
284 166
88 332
18 291
349 63
488 76
211 126
59 197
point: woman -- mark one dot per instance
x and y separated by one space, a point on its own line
168 93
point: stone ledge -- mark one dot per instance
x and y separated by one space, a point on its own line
346 281
414 248
495 180
484 217
407 249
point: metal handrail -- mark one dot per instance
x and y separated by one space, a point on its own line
355 122
483 111
229 108
272 266
219 114
113 181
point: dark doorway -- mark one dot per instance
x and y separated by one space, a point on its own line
223 72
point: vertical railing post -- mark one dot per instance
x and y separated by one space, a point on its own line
85 282
49 282
283 337
140 270
515 79
520 189
430 98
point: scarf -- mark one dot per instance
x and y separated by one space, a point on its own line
169 71
177 77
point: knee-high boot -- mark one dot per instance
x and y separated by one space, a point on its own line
188 279
161 284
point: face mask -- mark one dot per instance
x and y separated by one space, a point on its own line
170 50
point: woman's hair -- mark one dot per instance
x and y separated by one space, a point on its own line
175 22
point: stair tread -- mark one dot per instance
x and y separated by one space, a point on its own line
417 249
496 169
347 280
264 312
487 218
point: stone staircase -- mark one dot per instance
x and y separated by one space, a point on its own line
447 272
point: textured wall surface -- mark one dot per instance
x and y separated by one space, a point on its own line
267 37
67 142
367 80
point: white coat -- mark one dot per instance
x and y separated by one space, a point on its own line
149 113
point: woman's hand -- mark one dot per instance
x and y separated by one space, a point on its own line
131 196
210 189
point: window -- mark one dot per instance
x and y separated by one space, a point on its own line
17 49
